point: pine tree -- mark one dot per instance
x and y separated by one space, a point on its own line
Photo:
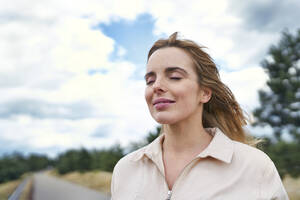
280 102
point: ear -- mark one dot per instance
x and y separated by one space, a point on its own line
205 94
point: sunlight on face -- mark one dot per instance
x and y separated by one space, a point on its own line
172 92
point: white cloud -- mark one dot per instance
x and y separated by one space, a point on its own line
214 25
79 48
245 84
37 133
206 22
259 131
47 48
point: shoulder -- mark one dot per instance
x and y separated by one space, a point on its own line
249 154
257 163
128 162
126 173
132 160
252 161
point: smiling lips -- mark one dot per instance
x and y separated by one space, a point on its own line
162 103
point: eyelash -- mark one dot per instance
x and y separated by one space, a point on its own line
172 78
149 82
175 78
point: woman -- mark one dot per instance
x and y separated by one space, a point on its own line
203 151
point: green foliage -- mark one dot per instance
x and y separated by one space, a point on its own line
280 105
107 159
74 160
147 140
36 162
153 135
14 165
83 160
104 159
285 155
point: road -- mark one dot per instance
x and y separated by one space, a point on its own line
51 188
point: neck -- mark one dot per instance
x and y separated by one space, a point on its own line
188 136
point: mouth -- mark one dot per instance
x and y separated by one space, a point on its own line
162 101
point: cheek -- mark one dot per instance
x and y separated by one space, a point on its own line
189 96
148 95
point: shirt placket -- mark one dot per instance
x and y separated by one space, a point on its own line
170 193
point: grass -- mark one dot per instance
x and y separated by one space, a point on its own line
27 192
7 189
97 180
292 187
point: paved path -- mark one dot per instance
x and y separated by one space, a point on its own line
51 188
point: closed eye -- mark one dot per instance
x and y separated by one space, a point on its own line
175 78
149 82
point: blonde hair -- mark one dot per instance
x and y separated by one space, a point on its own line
222 110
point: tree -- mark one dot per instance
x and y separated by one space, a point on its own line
284 154
106 159
84 160
280 103
37 162
147 140
153 135
13 166
68 161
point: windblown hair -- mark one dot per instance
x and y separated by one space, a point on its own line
222 110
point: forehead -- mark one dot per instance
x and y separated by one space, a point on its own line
170 56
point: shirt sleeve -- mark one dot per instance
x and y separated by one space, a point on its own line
271 184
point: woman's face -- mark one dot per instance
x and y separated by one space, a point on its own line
172 92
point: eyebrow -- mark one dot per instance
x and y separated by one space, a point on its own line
167 70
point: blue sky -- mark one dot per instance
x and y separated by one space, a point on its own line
136 36
69 81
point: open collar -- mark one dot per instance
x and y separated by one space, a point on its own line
221 148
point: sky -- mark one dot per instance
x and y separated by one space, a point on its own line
71 72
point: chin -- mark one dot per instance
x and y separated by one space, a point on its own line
163 119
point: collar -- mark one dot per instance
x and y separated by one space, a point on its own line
221 148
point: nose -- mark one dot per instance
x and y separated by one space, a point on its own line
159 86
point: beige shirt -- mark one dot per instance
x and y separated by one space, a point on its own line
227 170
